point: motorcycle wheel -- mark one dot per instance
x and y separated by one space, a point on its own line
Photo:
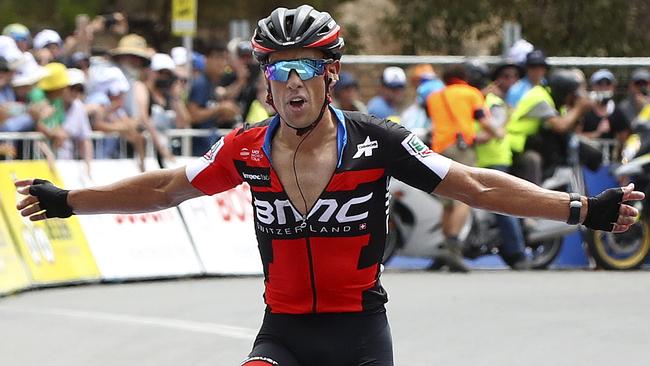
544 252
394 241
624 251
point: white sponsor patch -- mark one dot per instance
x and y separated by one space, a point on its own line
365 148
194 168
437 163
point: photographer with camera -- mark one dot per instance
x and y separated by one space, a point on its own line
605 120
537 128
638 96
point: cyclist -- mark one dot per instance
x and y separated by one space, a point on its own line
319 178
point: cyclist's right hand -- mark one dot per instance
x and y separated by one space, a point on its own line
44 200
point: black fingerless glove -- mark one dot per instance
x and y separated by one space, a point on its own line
603 210
51 198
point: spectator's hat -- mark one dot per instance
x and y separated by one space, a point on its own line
162 61
346 80
76 58
393 77
640 75
76 77
421 73
504 65
179 55
427 88
536 58
29 73
110 81
519 50
57 77
17 31
198 61
11 52
600 75
132 44
46 37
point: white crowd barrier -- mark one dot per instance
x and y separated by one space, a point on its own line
204 236
131 246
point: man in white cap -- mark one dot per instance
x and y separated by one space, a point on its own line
20 35
50 40
386 104
168 108
638 96
27 109
605 120
107 87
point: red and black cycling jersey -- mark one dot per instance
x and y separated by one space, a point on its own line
330 260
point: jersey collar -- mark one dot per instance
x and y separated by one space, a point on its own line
341 134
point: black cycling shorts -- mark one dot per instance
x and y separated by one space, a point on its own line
351 339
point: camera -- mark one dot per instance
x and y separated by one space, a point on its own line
601 96
109 20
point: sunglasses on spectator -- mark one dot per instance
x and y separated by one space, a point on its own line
305 68
641 82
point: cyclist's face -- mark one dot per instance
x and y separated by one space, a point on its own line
300 101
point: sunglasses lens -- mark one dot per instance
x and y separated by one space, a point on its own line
305 68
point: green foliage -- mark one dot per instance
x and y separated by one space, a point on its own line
560 27
37 14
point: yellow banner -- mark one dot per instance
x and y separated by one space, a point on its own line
54 250
184 17
12 272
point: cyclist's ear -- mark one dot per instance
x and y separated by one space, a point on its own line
333 69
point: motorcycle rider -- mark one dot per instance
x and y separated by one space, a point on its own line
537 129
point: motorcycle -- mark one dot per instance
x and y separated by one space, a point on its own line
415 227
628 250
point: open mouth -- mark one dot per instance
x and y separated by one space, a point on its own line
297 102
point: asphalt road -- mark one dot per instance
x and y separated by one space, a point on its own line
485 318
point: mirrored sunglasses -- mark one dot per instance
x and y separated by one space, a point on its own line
305 68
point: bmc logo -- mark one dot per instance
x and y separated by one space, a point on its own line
276 211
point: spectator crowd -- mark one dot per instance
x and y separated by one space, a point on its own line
104 78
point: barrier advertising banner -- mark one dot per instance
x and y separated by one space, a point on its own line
222 230
12 273
54 250
131 246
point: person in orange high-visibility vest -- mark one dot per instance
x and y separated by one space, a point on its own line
454 111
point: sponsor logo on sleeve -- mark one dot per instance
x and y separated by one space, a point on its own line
212 153
416 147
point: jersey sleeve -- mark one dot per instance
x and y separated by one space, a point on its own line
215 171
412 161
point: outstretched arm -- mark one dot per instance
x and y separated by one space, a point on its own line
500 192
150 191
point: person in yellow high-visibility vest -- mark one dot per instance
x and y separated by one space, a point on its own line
495 153
537 131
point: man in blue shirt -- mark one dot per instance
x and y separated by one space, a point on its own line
393 82
207 105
